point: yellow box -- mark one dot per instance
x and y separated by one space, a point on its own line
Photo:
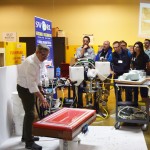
12 53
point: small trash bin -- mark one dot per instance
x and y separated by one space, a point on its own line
18 114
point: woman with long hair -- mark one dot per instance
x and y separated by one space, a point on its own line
140 61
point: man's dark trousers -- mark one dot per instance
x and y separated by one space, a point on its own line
28 105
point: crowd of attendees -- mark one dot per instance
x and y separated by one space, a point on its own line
122 58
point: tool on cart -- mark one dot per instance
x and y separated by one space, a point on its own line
93 74
130 112
50 94
127 111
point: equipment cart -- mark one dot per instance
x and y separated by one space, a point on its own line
127 111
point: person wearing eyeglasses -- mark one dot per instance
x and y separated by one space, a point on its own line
120 63
84 51
120 59
28 86
147 46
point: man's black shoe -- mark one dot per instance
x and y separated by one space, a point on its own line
33 146
34 138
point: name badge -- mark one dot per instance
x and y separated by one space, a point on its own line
86 54
120 61
133 59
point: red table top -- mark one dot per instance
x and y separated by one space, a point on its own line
65 119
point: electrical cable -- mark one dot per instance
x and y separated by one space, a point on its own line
106 112
74 98
84 61
99 118
132 115
63 97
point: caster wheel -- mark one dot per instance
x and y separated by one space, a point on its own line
117 125
144 127
79 141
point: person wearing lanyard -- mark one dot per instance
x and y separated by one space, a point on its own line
120 63
104 52
28 86
84 51
140 61
103 55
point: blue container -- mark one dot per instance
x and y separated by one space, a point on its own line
58 72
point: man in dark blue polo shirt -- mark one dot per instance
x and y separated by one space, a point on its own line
120 61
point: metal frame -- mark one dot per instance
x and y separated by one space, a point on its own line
145 122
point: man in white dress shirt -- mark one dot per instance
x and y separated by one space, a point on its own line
28 86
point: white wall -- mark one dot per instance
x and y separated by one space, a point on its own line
8 78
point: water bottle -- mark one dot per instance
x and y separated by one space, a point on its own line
58 72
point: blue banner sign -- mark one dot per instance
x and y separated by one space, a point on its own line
43 34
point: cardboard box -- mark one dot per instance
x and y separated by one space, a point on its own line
55 32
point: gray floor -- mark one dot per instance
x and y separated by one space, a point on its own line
97 138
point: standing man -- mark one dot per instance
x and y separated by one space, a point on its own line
103 55
28 86
147 50
85 51
123 46
120 60
147 46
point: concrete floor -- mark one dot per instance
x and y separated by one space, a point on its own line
110 121
97 138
